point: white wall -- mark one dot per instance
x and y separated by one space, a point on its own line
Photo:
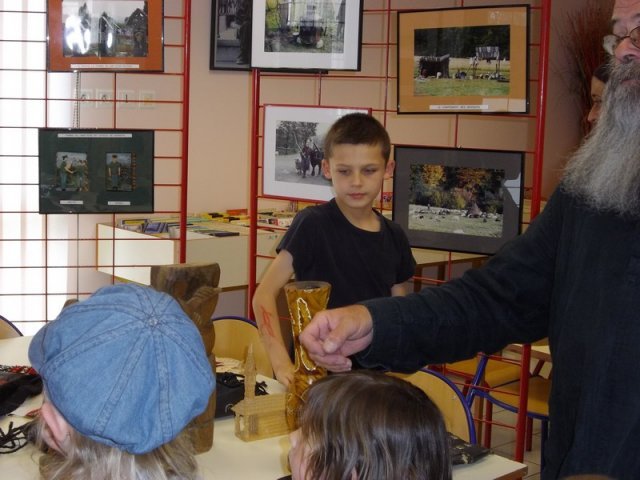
220 126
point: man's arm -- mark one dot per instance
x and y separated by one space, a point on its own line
507 300
266 313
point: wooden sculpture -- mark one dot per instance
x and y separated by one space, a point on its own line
194 286
259 416
305 299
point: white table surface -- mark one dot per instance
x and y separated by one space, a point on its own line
230 458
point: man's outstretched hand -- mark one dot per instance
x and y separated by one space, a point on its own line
335 334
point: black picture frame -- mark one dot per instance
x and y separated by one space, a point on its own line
230 35
95 171
458 199
310 36
464 60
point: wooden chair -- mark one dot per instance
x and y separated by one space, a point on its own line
234 334
448 398
8 329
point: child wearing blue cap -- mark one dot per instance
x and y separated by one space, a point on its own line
124 372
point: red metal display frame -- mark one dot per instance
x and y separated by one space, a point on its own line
535 188
181 183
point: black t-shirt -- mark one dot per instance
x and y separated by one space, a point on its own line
357 263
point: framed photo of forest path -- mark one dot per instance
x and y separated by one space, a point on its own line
294 148
466 60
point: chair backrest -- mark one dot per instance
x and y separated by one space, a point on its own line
234 334
496 373
8 329
507 395
448 398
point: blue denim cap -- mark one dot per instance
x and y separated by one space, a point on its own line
125 367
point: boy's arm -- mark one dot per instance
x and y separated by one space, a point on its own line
266 313
399 289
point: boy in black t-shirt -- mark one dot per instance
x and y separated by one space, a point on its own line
345 241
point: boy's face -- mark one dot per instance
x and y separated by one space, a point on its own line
357 172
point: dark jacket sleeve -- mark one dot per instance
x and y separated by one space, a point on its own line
507 300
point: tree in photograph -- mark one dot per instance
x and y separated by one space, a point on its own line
292 136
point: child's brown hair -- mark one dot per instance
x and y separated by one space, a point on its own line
357 129
375 426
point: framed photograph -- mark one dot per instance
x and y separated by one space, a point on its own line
95 171
105 35
293 150
469 60
230 35
458 199
306 35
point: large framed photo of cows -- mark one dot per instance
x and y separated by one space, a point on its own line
312 35
458 199
293 143
463 60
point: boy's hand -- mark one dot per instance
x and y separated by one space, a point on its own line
335 334
284 373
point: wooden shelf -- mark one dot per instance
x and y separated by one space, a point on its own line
129 255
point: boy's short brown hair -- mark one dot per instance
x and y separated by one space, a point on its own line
357 129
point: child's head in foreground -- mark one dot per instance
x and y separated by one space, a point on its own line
366 425
124 372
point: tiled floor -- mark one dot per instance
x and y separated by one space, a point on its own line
503 442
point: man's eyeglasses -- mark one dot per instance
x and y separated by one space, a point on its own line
611 42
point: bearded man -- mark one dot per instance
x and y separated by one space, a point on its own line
573 276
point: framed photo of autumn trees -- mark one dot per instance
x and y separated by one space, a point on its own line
458 199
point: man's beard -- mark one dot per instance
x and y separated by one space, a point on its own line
605 171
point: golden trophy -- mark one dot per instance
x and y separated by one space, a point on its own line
304 299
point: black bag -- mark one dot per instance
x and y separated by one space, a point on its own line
230 390
464 452
16 385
